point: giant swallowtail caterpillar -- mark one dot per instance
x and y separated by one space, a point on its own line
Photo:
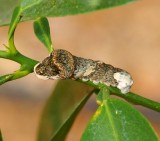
61 64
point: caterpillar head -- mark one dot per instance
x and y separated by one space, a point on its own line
59 65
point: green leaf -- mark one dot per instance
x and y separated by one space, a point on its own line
63 130
54 8
117 120
1 136
7 7
61 109
42 31
14 21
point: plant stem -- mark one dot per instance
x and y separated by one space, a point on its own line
4 54
13 76
27 66
12 48
19 58
131 97
137 99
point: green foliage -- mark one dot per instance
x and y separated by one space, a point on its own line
14 21
30 9
7 7
61 109
130 96
36 8
1 136
136 99
42 31
26 65
116 120
103 94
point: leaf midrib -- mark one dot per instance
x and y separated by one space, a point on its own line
29 6
111 121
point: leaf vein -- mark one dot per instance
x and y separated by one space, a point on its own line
115 135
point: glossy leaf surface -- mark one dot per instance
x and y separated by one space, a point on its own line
54 8
117 120
42 31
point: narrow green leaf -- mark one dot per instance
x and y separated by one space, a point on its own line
117 120
14 21
7 7
61 110
63 130
54 8
1 136
42 31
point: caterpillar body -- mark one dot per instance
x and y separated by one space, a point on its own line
61 64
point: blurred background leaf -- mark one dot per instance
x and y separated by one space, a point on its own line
117 120
54 8
63 130
7 7
65 102
0 136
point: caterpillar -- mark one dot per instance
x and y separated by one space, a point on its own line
61 64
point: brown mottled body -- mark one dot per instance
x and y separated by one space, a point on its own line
61 64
